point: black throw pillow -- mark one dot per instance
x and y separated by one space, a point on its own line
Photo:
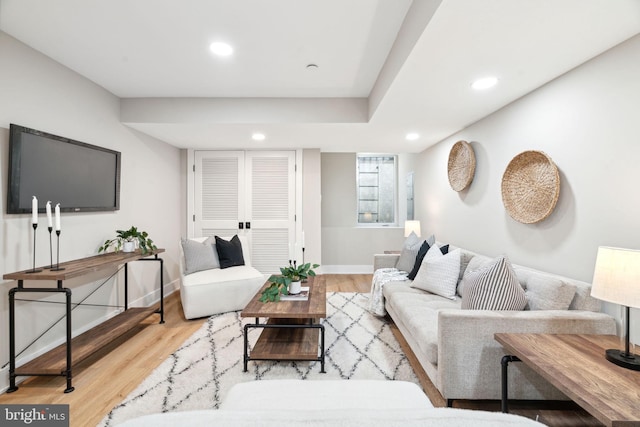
444 249
416 266
229 252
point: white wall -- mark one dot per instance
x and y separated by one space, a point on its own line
587 121
346 247
39 93
311 202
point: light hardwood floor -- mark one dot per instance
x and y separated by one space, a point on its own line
103 381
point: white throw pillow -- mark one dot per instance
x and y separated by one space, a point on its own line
438 273
409 252
495 287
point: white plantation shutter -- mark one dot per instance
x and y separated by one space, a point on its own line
220 190
270 248
270 188
271 207
248 187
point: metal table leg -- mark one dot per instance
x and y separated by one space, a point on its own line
505 380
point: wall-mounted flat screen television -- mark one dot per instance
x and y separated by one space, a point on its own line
80 176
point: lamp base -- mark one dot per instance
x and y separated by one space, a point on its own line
626 360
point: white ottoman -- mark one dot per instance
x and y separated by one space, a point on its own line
273 395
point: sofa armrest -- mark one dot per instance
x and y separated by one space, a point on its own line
385 261
467 350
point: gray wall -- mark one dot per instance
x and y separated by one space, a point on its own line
346 247
587 122
38 92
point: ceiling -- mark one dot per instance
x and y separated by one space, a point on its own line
384 67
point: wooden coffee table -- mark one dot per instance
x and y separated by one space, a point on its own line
576 365
291 329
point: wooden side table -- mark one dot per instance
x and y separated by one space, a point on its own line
576 365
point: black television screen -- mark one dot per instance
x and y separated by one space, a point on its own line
80 176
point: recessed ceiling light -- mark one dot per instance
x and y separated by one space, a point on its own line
258 136
412 136
484 83
221 49
312 66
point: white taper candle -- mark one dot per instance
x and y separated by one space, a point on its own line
34 210
49 218
58 217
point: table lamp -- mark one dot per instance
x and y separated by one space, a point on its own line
616 279
411 225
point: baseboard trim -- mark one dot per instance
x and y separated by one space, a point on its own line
347 269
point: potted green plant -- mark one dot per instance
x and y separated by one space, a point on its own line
288 282
127 239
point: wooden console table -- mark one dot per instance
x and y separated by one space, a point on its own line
576 365
60 360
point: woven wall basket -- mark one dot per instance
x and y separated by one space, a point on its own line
530 187
461 166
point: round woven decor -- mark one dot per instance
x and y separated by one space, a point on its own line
530 187
461 166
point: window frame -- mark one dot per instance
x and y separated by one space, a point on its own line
394 201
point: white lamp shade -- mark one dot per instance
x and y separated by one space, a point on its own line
616 277
410 226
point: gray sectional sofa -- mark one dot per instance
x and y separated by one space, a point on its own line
456 346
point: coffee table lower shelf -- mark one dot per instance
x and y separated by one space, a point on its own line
286 340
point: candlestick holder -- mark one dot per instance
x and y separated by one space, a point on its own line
33 270
57 268
303 280
50 266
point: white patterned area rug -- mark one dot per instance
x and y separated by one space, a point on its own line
200 373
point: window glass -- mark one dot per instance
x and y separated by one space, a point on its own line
376 189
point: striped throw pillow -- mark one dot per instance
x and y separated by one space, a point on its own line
494 287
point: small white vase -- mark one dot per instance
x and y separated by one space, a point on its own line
129 247
295 288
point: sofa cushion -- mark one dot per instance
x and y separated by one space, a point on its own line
494 287
225 275
403 286
438 273
199 256
419 312
328 417
229 252
547 293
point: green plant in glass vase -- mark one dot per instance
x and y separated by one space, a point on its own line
280 283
